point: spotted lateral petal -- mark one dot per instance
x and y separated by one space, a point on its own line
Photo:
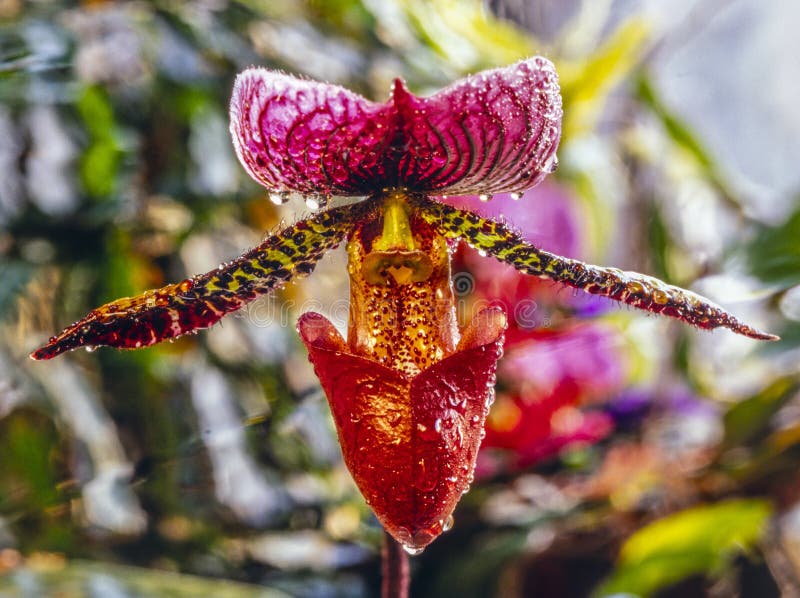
491 132
201 301
634 289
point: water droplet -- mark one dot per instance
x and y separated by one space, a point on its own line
427 476
552 166
516 195
437 425
413 550
90 348
448 523
279 197
485 196
317 201
482 253
660 297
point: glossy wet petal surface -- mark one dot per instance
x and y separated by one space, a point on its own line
409 442
495 131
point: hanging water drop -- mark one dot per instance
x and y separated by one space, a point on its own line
90 348
516 195
553 165
413 550
448 523
485 196
317 201
279 197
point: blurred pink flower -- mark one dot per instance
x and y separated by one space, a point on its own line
548 378
588 355
548 216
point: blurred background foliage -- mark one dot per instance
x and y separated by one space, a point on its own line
625 455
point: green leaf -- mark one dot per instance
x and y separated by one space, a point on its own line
466 34
99 168
27 449
100 162
97 113
774 254
679 133
701 540
683 137
749 418
586 84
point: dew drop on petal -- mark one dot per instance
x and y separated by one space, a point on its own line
316 201
312 202
448 523
516 195
279 197
485 196
90 348
413 550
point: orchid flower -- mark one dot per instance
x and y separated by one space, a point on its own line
408 389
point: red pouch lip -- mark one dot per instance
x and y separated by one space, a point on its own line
410 442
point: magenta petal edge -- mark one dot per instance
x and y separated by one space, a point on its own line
496 131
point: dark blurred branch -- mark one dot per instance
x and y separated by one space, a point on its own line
780 563
394 569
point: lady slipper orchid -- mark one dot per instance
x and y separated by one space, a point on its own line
409 391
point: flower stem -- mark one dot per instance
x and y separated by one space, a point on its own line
395 569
